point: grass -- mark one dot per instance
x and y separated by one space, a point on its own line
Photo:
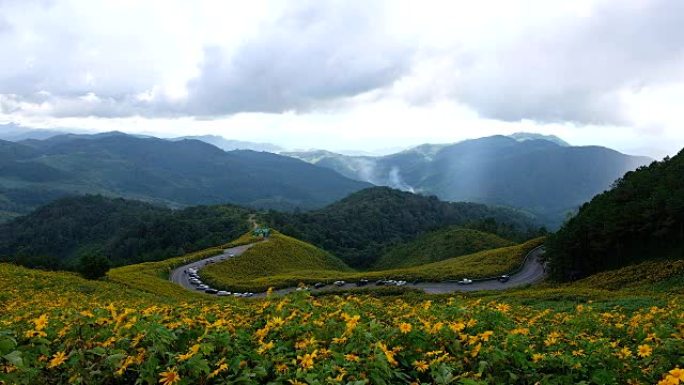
280 255
57 328
439 245
285 262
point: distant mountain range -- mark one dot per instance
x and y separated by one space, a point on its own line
14 133
541 174
175 173
231 145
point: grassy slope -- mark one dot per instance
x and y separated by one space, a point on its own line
279 256
439 245
269 265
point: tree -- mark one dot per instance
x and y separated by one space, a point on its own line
94 266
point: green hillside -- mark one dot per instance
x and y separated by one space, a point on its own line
640 218
538 174
361 227
279 255
174 173
123 231
439 245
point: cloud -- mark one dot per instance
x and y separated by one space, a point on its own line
579 68
309 55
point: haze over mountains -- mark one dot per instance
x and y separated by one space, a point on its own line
543 175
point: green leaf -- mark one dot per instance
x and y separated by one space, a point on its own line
14 358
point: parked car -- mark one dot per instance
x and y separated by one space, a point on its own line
465 281
319 285
339 283
504 278
211 291
362 282
380 282
223 293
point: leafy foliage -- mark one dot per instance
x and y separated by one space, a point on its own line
641 218
123 231
359 228
439 245
59 329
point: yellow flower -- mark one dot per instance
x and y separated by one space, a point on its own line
193 350
578 353
307 361
41 322
536 357
457 327
57 359
485 336
677 373
644 351
352 357
218 370
421 365
169 377
405 327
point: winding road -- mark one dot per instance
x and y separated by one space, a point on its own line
532 271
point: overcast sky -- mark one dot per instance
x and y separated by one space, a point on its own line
362 75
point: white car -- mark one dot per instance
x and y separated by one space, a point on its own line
223 293
465 281
339 283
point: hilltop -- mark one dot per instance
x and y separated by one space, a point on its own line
359 228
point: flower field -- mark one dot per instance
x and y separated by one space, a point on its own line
56 328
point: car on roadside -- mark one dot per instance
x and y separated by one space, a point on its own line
504 278
211 291
339 283
319 285
223 293
465 281
362 282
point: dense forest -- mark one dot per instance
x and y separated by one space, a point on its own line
60 234
640 218
359 228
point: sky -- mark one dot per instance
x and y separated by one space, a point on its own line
341 75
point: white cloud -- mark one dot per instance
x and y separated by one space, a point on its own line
350 74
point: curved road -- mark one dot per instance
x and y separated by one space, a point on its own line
179 276
531 272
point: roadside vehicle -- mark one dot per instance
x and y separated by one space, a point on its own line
380 282
223 293
465 281
319 285
211 291
339 283
504 278
362 282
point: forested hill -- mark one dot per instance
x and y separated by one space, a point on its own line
176 173
360 227
640 218
123 231
544 176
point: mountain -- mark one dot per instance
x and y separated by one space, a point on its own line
640 218
181 173
360 227
537 175
230 145
14 133
123 231
523 136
